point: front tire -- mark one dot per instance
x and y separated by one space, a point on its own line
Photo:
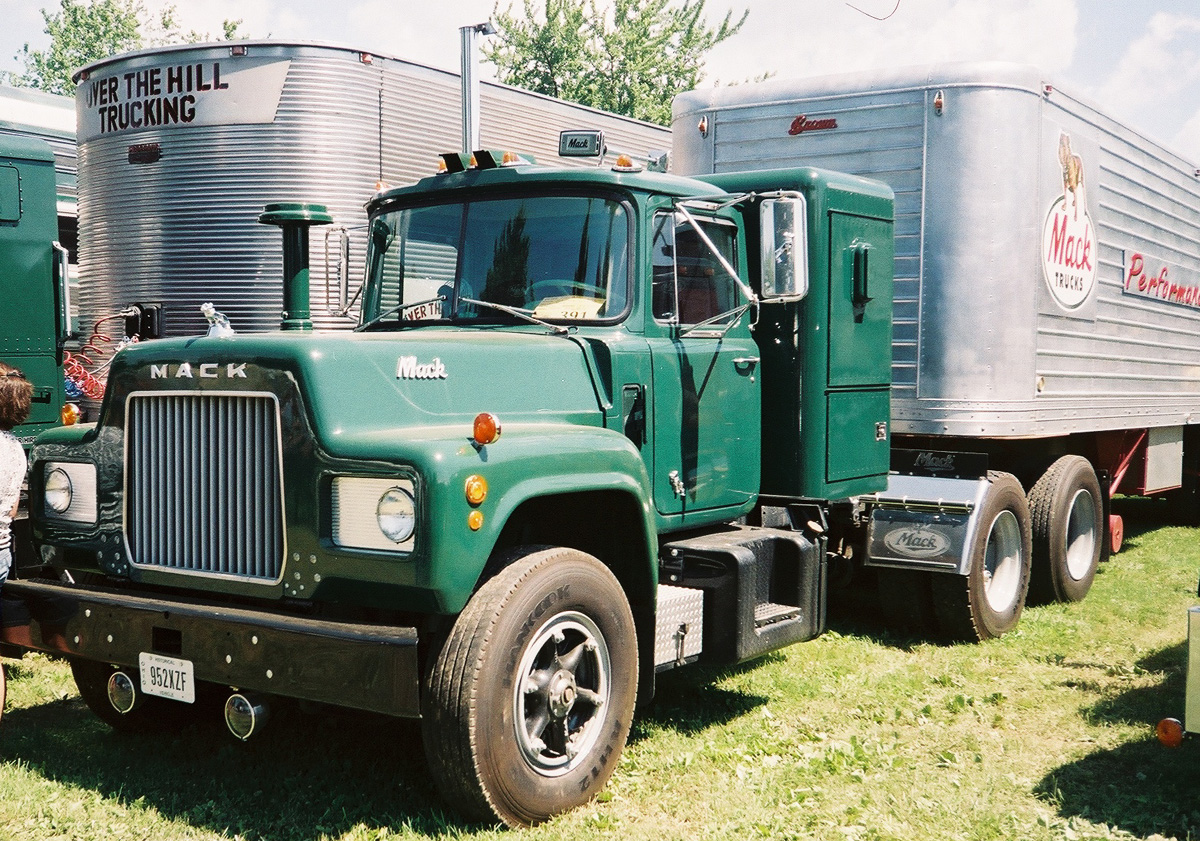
1068 531
987 602
529 701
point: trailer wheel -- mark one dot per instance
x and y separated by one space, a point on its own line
152 715
987 602
1067 514
529 701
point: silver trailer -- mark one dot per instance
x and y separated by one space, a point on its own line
25 112
1016 314
1047 287
31 113
180 149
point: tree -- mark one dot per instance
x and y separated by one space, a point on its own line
83 31
631 58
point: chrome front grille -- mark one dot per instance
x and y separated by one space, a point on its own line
203 488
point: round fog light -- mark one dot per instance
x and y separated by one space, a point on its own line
396 514
122 693
245 715
58 490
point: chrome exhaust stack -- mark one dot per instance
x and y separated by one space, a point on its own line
246 714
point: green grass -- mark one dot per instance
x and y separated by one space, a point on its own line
1046 733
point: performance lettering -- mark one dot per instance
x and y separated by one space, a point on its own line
1158 283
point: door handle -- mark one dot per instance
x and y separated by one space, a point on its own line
745 361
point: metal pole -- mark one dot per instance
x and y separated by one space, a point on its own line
469 36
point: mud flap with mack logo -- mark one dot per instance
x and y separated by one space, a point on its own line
926 522
953 552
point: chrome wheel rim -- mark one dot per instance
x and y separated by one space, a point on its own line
1002 562
562 691
1081 535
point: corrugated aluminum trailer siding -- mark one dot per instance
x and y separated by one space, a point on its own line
1139 357
880 136
31 113
980 347
183 230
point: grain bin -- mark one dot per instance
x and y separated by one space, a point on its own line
180 148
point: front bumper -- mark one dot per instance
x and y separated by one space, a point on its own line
366 667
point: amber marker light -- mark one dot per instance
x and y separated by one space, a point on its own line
476 489
486 428
70 414
625 163
1170 732
475 520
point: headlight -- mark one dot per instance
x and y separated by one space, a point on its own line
58 490
69 492
396 514
374 513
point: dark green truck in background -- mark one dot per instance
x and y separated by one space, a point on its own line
34 296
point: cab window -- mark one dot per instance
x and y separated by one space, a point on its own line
689 283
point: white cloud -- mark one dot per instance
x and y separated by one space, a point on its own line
1187 140
1159 72
258 17
828 36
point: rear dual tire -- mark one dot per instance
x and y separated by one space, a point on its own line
1067 513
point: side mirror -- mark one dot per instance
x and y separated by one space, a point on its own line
784 248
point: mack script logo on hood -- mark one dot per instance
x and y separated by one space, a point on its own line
917 541
408 368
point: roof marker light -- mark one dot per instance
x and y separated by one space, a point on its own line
456 161
625 164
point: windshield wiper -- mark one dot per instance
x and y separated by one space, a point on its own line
518 313
397 309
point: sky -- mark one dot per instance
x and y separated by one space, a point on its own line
1138 60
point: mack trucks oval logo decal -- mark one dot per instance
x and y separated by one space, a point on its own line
916 541
1068 238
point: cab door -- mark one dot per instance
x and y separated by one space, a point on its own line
705 405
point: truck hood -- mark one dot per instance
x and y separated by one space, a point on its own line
353 384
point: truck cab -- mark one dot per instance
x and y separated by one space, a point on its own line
583 433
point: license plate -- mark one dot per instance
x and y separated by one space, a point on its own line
167 677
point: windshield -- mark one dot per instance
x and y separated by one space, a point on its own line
554 258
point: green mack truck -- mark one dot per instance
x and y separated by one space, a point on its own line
594 424
34 320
